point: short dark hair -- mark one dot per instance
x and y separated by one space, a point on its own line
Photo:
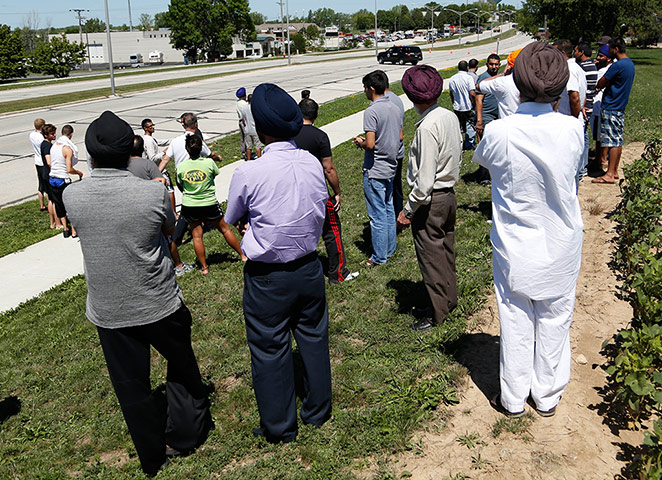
565 46
309 109
189 120
585 48
473 63
494 56
138 146
67 130
463 66
48 129
250 97
305 94
144 123
618 43
193 145
376 80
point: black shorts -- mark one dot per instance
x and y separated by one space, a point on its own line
43 182
56 197
207 213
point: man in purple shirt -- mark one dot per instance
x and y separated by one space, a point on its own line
278 202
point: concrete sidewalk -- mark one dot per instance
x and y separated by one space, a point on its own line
44 265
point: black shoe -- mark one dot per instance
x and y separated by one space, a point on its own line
422 312
422 325
173 452
259 432
66 233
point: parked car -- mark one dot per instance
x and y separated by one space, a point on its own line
401 55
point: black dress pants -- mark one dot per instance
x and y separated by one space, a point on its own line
187 421
331 234
433 228
280 300
398 198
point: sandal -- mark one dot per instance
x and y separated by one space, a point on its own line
204 271
602 181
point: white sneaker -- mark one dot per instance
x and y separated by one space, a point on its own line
351 276
185 268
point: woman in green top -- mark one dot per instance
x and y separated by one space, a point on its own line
195 178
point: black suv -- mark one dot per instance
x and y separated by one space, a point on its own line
401 55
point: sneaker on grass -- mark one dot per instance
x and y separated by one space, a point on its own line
185 268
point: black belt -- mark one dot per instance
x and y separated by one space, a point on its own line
262 268
443 190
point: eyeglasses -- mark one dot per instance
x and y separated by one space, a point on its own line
149 126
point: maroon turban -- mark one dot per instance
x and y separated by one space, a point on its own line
422 84
541 73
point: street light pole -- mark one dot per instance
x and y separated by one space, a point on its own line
459 14
287 12
376 45
130 21
110 50
432 11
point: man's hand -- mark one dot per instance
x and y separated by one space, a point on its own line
336 206
402 221
80 174
241 227
161 180
359 141
216 156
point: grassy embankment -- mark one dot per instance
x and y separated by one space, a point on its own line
60 417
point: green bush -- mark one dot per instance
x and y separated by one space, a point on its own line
635 374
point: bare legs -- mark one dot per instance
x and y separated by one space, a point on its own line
199 246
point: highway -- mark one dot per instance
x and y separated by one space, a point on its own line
212 100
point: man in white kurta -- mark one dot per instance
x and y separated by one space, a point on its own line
536 237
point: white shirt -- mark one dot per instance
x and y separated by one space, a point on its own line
597 99
249 121
576 83
240 107
36 139
435 155
537 224
505 91
460 85
177 149
151 149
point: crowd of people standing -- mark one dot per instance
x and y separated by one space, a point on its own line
529 135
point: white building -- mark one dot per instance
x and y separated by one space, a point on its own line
127 43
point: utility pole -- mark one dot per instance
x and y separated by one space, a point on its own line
287 12
80 26
130 21
282 33
110 50
87 40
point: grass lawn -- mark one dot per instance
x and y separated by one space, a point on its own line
59 416
387 379
23 225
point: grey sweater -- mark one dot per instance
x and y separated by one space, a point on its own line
119 219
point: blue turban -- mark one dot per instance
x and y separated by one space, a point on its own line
241 92
275 112
604 49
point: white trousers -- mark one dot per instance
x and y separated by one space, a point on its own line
534 347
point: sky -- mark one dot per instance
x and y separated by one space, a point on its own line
57 14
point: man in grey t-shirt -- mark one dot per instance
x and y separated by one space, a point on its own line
397 181
383 125
133 298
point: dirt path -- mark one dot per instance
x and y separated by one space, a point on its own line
574 444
